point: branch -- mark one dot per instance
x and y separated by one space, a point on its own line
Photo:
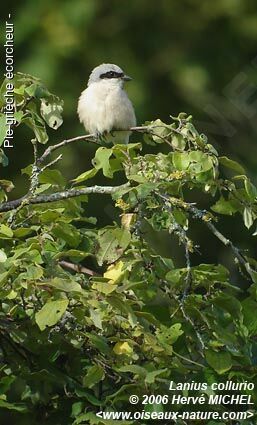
34 182
188 319
93 139
203 216
188 360
77 268
52 163
52 148
58 196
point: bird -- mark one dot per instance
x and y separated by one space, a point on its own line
104 105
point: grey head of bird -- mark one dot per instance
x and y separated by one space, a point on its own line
108 72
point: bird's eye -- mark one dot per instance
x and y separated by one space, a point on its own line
110 74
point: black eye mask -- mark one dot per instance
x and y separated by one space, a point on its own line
112 74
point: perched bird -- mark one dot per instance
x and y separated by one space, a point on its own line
104 105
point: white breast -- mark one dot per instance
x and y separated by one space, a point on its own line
105 107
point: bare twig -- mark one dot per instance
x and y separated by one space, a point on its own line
184 239
188 360
66 142
52 162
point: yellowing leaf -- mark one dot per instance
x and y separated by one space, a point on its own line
128 220
115 272
122 348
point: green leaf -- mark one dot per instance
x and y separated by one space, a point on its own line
151 376
248 217
178 142
51 313
5 383
96 317
180 160
77 408
72 253
159 130
101 161
3 158
3 128
85 176
174 275
42 188
20 232
51 111
68 233
252 273
111 244
50 216
225 207
99 342
169 335
38 128
33 90
200 161
6 231
94 375
125 308
62 284
13 406
228 303
3 256
18 116
250 320
251 190
220 361
135 369
233 165
34 272
54 177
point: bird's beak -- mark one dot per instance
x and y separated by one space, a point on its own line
126 78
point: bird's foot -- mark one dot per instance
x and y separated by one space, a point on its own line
101 137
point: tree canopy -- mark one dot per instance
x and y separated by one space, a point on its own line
92 313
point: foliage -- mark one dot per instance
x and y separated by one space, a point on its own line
91 314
